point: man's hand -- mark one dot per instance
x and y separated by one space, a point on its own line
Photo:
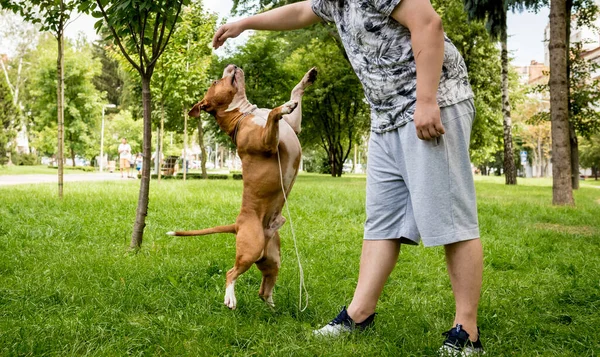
231 30
427 120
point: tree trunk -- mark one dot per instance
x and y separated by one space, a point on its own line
202 149
510 170
73 156
60 104
574 157
142 208
572 133
562 193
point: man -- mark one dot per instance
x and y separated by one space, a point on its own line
124 156
419 180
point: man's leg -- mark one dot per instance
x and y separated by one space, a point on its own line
465 267
377 261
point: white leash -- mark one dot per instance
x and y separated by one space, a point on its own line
302 286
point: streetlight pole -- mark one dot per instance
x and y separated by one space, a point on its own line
102 135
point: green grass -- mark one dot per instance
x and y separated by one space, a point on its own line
69 288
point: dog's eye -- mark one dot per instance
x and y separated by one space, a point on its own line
214 82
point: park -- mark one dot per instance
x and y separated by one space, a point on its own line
86 266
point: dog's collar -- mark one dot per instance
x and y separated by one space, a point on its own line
237 125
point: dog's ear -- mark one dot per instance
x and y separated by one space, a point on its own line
195 112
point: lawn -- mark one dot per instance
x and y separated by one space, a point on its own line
69 287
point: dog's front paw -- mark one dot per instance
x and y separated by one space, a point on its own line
289 107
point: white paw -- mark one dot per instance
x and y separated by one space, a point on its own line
230 300
289 107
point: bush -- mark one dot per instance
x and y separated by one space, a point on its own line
80 168
191 176
24 159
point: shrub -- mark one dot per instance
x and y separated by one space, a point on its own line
24 159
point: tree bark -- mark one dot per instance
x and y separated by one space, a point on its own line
72 156
510 170
562 193
142 208
202 149
60 64
572 132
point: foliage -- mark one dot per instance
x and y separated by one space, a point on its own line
62 264
584 94
182 73
111 80
335 113
590 153
50 15
8 120
25 159
82 100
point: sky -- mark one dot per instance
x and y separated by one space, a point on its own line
525 42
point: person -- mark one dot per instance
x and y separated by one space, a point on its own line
124 156
138 162
419 181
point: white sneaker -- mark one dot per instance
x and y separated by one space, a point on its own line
343 324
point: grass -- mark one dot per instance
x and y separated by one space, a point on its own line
68 287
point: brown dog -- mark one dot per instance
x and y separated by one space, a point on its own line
266 144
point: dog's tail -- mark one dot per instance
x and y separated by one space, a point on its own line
219 229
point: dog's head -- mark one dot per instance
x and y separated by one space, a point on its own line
223 92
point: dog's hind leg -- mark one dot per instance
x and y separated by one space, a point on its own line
269 267
295 118
250 241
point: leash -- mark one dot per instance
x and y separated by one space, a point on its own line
302 286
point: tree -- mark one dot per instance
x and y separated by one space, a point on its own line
562 193
141 30
52 15
494 13
82 100
8 118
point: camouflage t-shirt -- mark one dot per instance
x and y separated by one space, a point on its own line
380 52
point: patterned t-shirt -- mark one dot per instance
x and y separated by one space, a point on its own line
380 52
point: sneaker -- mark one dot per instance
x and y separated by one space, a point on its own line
342 324
457 343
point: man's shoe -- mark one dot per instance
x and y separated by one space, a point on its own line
342 324
457 343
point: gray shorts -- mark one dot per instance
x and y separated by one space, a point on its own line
423 189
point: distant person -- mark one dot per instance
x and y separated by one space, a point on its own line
124 156
138 162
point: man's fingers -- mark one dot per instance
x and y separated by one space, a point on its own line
439 128
216 37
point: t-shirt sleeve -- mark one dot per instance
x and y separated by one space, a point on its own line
323 9
385 7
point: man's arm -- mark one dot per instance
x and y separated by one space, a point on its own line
427 38
290 17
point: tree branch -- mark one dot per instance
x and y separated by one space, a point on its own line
170 32
118 40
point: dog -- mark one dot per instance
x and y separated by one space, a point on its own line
270 152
